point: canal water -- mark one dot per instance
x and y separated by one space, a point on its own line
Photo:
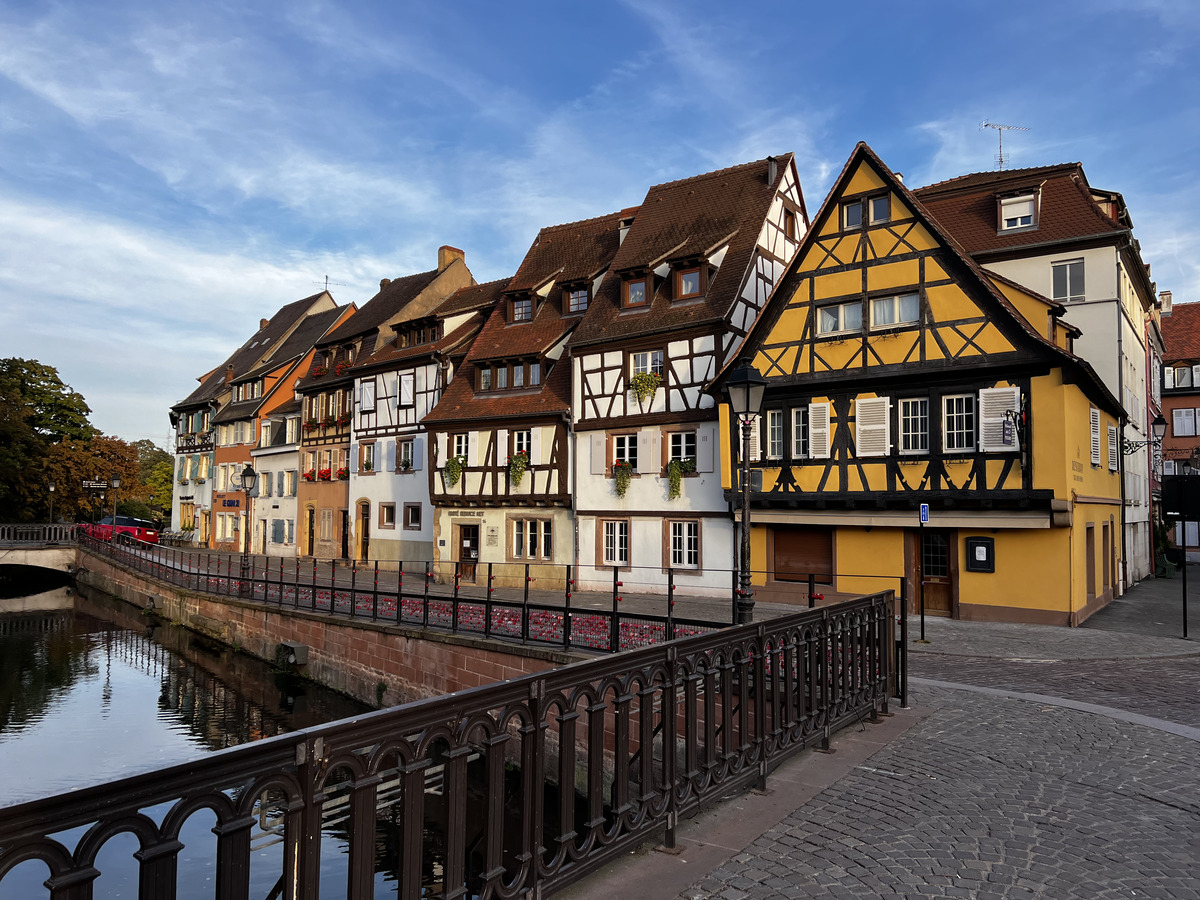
91 691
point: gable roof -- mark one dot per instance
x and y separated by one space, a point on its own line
1181 333
1009 318
391 298
681 220
300 341
967 208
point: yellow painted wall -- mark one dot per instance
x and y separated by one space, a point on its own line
1030 570
862 553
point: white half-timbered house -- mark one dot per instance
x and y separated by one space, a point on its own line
501 478
395 388
697 261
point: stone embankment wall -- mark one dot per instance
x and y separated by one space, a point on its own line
352 656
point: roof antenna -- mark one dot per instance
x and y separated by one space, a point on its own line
328 283
1000 129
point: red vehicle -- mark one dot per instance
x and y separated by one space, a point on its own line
138 529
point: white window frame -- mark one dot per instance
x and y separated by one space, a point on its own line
1016 209
955 434
876 219
1074 293
684 538
650 361
677 445
841 318
847 206
894 303
614 537
1183 422
461 443
775 434
914 426
800 432
625 448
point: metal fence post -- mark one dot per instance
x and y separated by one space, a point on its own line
525 608
614 626
670 604
567 610
487 603
812 590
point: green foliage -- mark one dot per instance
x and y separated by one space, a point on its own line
676 469
622 475
644 384
518 463
454 469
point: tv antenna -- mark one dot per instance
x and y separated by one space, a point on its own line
1000 129
327 283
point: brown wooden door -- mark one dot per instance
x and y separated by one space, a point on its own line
468 551
364 531
938 570
803 550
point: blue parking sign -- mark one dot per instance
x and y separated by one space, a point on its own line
924 513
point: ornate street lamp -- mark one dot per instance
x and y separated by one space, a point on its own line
249 479
50 487
745 387
1158 430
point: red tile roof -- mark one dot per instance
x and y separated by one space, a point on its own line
967 207
391 298
1181 333
460 402
569 253
679 220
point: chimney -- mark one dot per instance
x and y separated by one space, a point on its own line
228 374
1164 298
262 323
772 169
899 176
447 255
384 282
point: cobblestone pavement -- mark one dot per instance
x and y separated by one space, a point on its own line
990 798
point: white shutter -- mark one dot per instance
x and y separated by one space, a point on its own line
367 398
473 448
1113 452
1168 377
818 431
1183 422
1195 375
535 446
755 424
871 427
704 450
501 446
385 456
443 448
1095 437
599 451
648 463
418 454
406 389
994 403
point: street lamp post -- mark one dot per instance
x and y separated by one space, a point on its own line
116 483
745 389
50 487
249 478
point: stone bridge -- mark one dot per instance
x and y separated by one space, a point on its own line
41 546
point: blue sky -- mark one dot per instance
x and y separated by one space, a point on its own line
172 172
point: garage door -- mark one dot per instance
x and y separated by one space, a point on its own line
801 551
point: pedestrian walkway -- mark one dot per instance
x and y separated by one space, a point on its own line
1034 762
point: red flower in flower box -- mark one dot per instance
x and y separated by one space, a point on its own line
317 371
310 475
324 474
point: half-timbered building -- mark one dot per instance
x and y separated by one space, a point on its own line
395 387
697 261
1048 229
327 397
500 472
899 373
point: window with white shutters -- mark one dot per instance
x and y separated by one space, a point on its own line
1113 448
997 430
1095 422
1183 422
818 431
871 423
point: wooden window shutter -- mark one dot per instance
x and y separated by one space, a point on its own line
994 404
1095 413
704 450
647 461
818 431
501 446
535 446
368 396
1168 377
871 426
473 448
407 387
1113 449
418 454
599 453
755 442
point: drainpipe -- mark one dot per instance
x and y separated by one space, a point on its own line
1121 445
573 462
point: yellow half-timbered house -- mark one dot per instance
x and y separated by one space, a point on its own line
899 373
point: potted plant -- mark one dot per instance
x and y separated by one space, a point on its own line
342 368
310 475
622 474
327 422
518 463
676 469
312 425
317 371
343 473
644 384
343 420
453 469
367 465
324 475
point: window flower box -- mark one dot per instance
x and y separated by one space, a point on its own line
312 425
622 475
318 371
343 420
343 473
310 475
342 368
324 475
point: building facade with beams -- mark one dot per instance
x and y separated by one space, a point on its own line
696 263
1181 405
395 388
500 437
1049 230
327 395
900 373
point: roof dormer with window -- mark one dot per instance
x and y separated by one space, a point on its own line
1017 212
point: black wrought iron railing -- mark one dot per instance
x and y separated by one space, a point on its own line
513 789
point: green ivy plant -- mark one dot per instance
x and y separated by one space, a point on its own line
454 469
518 463
676 469
644 384
622 475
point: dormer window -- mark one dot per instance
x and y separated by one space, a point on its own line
687 283
577 299
1018 212
522 309
634 292
485 379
